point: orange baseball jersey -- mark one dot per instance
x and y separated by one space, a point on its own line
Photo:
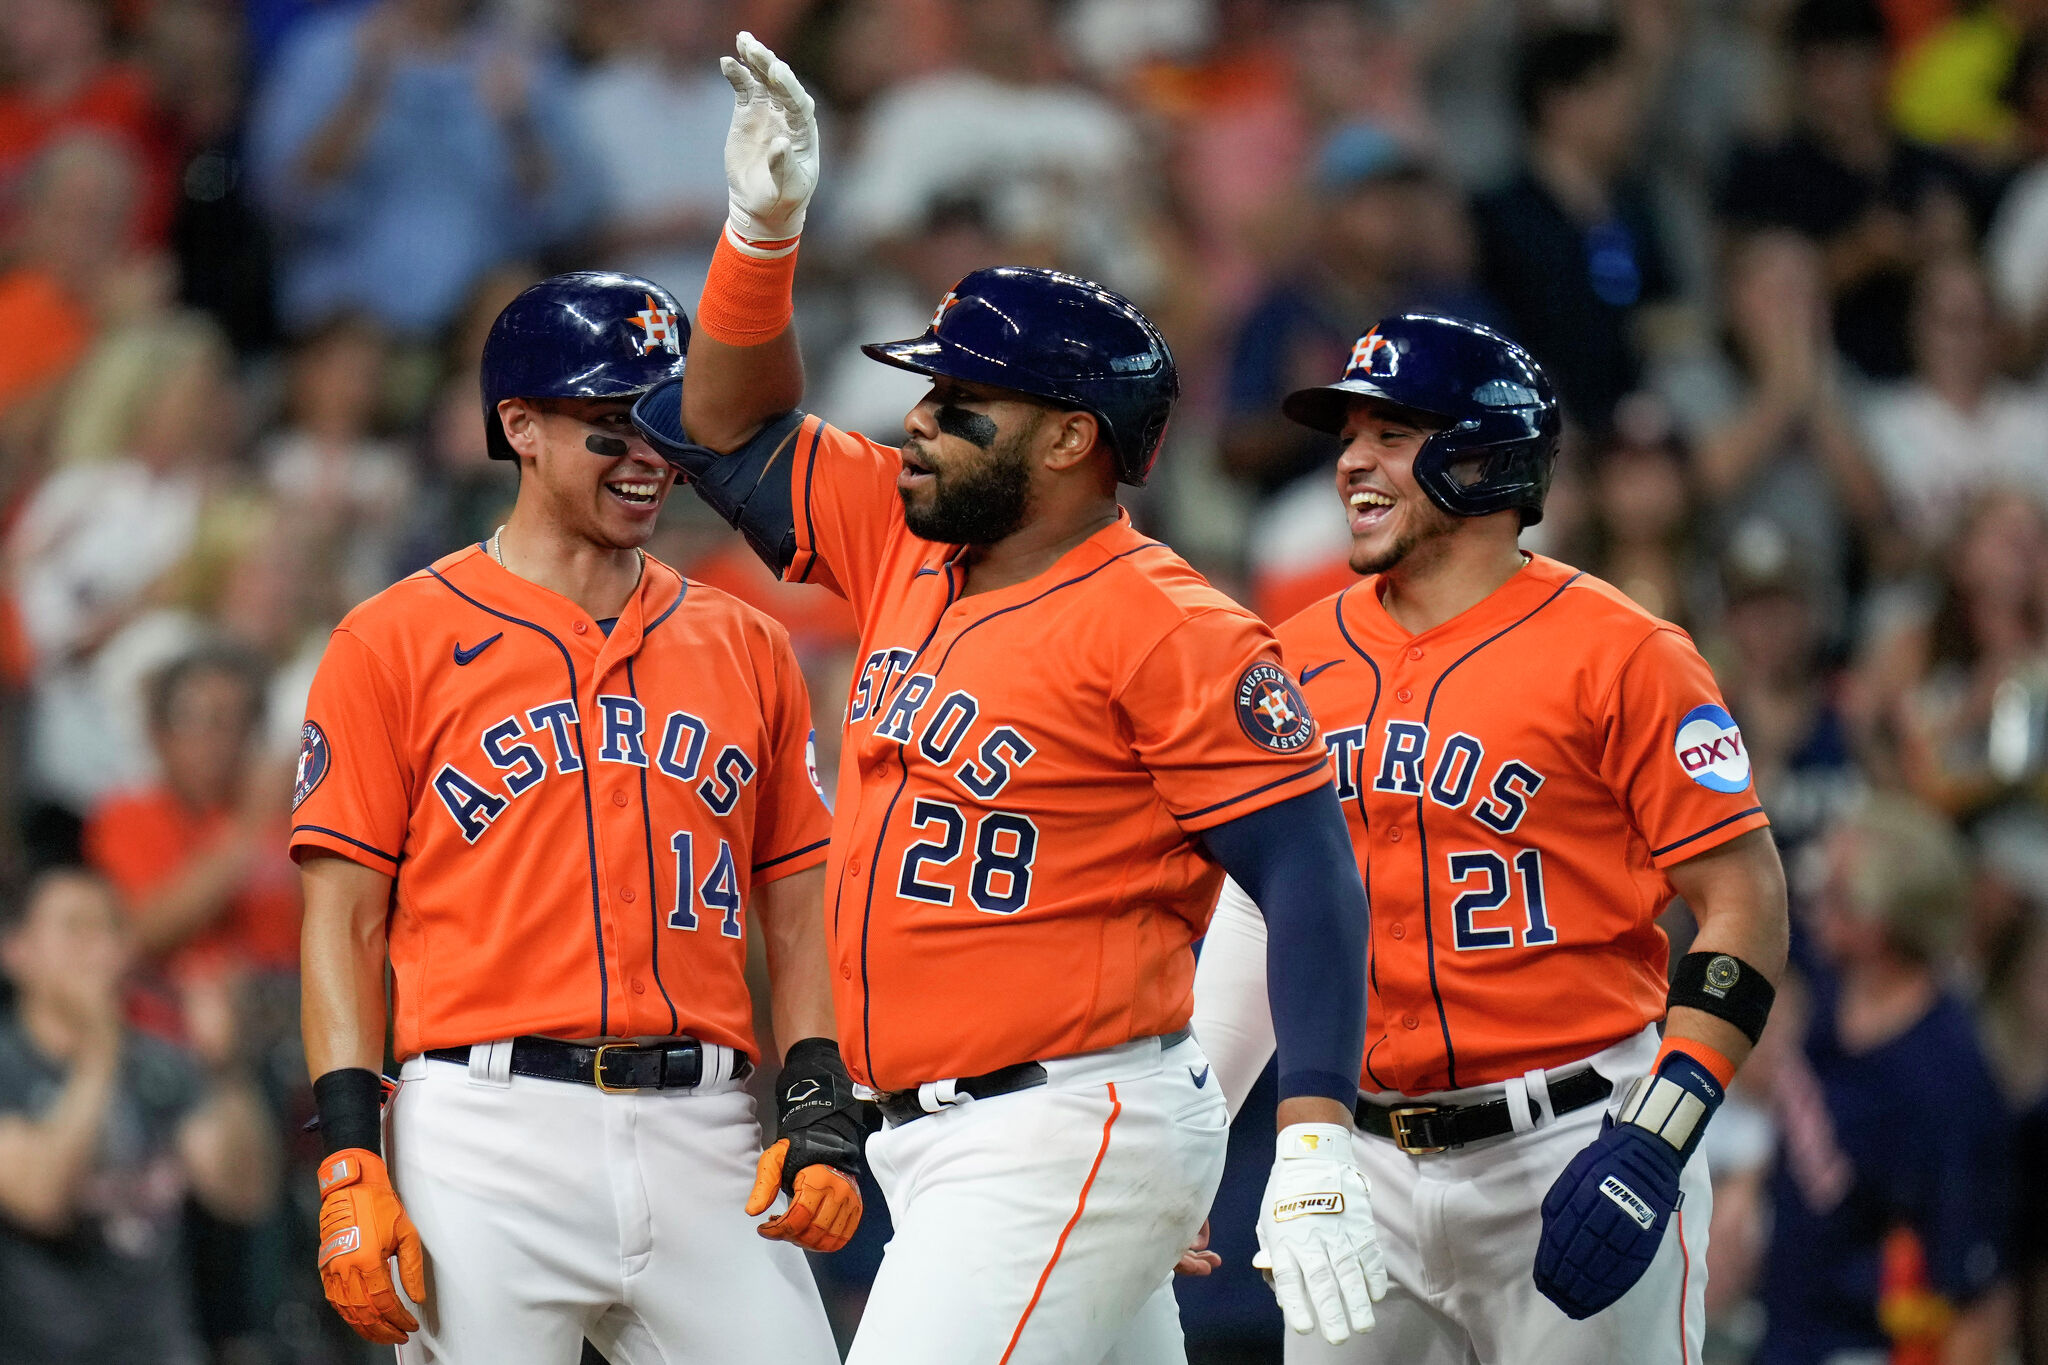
1013 872
1517 780
574 818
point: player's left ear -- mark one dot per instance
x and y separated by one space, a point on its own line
1072 437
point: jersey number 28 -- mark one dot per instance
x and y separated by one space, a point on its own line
1004 846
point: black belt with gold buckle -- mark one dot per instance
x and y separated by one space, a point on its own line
676 1064
1425 1129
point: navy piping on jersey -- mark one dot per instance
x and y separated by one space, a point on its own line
1372 962
337 834
604 985
953 586
653 885
810 526
1701 834
867 912
1422 833
1321 762
670 610
793 853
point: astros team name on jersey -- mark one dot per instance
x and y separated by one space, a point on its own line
1457 767
1517 781
513 746
900 708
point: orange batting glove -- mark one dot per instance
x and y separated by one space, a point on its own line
362 1226
824 1203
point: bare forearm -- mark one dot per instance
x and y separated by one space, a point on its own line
230 1153
49 1159
342 954
194 899
333 150
1737 895
731 392
792 917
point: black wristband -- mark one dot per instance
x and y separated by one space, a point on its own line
1725 987
351 1105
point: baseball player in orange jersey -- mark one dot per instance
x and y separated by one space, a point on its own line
554 777
1531 766
1057 738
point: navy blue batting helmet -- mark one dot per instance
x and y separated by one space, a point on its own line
1495 412
1057 337
587 334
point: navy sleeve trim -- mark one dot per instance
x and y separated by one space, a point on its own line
1322 761
1701 834
391 858
810 525
807 848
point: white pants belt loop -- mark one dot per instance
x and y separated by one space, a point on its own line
932 1096
1538 1084
1517 1095
491 1063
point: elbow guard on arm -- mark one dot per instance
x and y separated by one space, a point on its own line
750 487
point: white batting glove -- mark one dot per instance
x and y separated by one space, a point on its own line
771 150
1317 1241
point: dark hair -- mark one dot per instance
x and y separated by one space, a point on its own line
1562 58
1835 23
19 893
219 657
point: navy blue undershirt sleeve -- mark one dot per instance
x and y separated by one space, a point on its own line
1294 860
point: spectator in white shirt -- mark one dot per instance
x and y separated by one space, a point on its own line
1956 427
654 110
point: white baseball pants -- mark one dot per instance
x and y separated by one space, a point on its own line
1460 1229
1041 1227
551 1211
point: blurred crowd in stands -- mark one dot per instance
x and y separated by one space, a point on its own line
1787 261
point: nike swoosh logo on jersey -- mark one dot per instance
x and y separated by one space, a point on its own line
1308 673
1200 1079
464 656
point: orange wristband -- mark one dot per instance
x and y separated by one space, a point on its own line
1718 1066
747 298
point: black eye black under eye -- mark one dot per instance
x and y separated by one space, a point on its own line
611 447
975 428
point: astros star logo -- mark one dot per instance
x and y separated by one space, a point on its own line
940 311
1368 354
1275 709
660 326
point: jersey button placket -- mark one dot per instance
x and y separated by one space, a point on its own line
1403 694
1394 834
1399 931
619 798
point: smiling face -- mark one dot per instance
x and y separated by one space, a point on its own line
594 473
1390 516
968 459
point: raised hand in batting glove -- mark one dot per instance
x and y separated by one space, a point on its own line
1604 1218
818 1160
771 150
1318 1244
362 1226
